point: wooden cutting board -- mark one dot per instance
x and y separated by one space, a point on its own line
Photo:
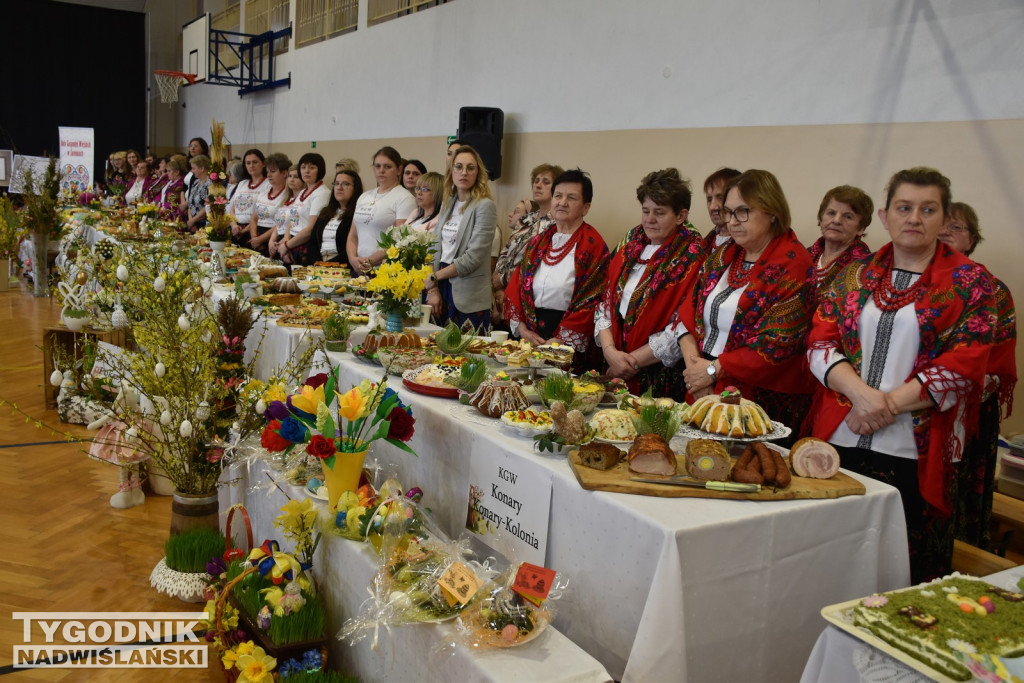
617 480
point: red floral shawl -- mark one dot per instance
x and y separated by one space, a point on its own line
955 317
1002 358
670 275
591 256
765 347
855 251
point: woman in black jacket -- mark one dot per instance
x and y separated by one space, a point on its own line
330 232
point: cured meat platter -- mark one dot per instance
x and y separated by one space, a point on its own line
618 479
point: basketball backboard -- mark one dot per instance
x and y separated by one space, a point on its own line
195 47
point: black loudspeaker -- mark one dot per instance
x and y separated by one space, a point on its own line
482 128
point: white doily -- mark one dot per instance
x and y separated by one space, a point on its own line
184 586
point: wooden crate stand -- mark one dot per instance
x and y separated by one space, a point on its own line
65 338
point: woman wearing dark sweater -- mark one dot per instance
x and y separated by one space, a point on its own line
330 232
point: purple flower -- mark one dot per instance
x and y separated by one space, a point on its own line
277 410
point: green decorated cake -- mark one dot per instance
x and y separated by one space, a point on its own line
934 621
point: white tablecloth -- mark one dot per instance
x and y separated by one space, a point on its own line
662 588
344 569
272 345
838 657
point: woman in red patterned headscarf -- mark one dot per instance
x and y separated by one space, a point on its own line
750 313
900 344
651 272
843 217
552 295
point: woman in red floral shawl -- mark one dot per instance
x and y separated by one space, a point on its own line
900 345
749 315
976 473
651 271
552 295
843 217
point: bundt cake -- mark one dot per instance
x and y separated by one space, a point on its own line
494 398
728 414
382 340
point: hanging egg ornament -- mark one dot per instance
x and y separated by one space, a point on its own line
183 322
165 418
81 278
122 272
236 426
131 434
56 377
261 406
119 318
203 411
207 336
159 284
185 429
160 370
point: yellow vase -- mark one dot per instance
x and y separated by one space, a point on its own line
344 476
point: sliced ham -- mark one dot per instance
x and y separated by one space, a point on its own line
649 454
814 458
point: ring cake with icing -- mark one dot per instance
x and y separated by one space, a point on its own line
728 414
933 621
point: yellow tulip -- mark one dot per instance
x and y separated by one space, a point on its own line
309 399
352 405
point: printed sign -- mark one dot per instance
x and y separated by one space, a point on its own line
510 499
77 146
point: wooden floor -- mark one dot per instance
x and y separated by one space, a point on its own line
63 547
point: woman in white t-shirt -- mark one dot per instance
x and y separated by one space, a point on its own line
264 213
286 219
429 191
310 202
377 210
249 188
330 232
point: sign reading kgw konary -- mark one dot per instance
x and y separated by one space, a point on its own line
510 497
114 640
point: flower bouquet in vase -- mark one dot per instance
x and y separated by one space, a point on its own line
338 426
400 277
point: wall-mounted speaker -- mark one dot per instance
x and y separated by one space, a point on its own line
482 128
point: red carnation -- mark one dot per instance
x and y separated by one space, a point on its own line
317 380
402 424
321 447
271 440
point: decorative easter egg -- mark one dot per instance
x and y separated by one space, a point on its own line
261 407
165 418
313 484
510 632
160 370
159 284
81 278
348 500
189 308
122 272
207 336
56 377
131 434
185 429
183 322
203 411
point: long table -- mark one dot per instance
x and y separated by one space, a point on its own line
669 589
344 570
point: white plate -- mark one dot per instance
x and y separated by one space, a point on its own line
316 494
523 429
779 431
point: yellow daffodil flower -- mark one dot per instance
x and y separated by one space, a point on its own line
275 392
257 667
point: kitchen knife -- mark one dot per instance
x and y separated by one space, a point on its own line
713 485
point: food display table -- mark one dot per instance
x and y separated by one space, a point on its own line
668 589
344 570
838 657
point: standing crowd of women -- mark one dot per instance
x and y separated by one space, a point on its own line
903 358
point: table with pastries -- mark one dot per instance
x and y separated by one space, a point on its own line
665 588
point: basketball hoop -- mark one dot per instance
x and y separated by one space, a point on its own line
169 81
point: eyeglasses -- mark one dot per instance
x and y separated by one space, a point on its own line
741 214
956 227
468 168
343 183
423 188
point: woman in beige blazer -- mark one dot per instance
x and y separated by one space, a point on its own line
459 289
